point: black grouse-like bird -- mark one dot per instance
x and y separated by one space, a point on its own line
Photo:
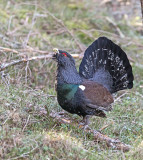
105 69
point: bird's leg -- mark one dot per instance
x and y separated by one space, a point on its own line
85 122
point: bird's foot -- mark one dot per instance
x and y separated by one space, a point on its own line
85 120
84 126
85 123
61 117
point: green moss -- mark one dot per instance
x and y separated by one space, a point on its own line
76 5
77 24
85 38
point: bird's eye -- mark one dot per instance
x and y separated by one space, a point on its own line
64 54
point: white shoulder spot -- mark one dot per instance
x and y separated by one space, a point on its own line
82 87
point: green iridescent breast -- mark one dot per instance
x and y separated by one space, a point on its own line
67 90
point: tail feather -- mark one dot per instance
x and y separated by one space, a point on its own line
106 63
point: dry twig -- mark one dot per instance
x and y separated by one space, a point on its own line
26 123
104 127
6 65
3 66
116 27
8 50
99 137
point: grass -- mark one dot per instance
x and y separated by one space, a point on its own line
27 131
27 93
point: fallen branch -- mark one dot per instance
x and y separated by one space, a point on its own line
99 137
27 49
8 50
6 65
3 66
110 142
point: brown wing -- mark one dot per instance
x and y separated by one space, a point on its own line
98 96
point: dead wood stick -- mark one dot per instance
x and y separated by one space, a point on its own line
8 50
110 142
3 66
6 65
99 137
28 49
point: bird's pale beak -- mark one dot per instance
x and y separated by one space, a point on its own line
56 51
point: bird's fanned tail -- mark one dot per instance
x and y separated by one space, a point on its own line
106 63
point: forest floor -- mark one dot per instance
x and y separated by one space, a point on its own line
27 90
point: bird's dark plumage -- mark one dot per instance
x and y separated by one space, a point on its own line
106 63
104 69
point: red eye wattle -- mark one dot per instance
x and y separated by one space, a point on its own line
64 54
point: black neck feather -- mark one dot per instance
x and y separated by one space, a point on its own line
68 75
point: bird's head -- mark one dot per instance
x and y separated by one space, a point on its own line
63 58
67 72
